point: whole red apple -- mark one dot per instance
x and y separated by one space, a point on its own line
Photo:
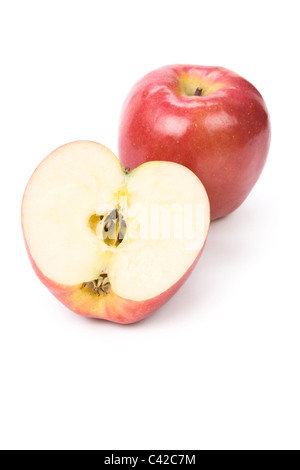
208 119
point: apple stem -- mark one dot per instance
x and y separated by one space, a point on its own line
127 170
198 92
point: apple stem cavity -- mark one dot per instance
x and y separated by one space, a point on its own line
198 92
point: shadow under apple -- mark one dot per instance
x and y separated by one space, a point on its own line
232 242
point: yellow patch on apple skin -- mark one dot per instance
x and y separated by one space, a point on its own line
87 303
108 306
187 85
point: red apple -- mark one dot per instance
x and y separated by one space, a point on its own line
111 244
207 118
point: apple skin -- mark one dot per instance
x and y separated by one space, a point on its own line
222 136
110 306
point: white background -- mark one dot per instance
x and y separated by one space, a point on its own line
218 366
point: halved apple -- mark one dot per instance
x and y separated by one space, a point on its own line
107 242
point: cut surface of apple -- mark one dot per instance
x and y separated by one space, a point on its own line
110 243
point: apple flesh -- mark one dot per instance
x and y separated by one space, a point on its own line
109 243
209 119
